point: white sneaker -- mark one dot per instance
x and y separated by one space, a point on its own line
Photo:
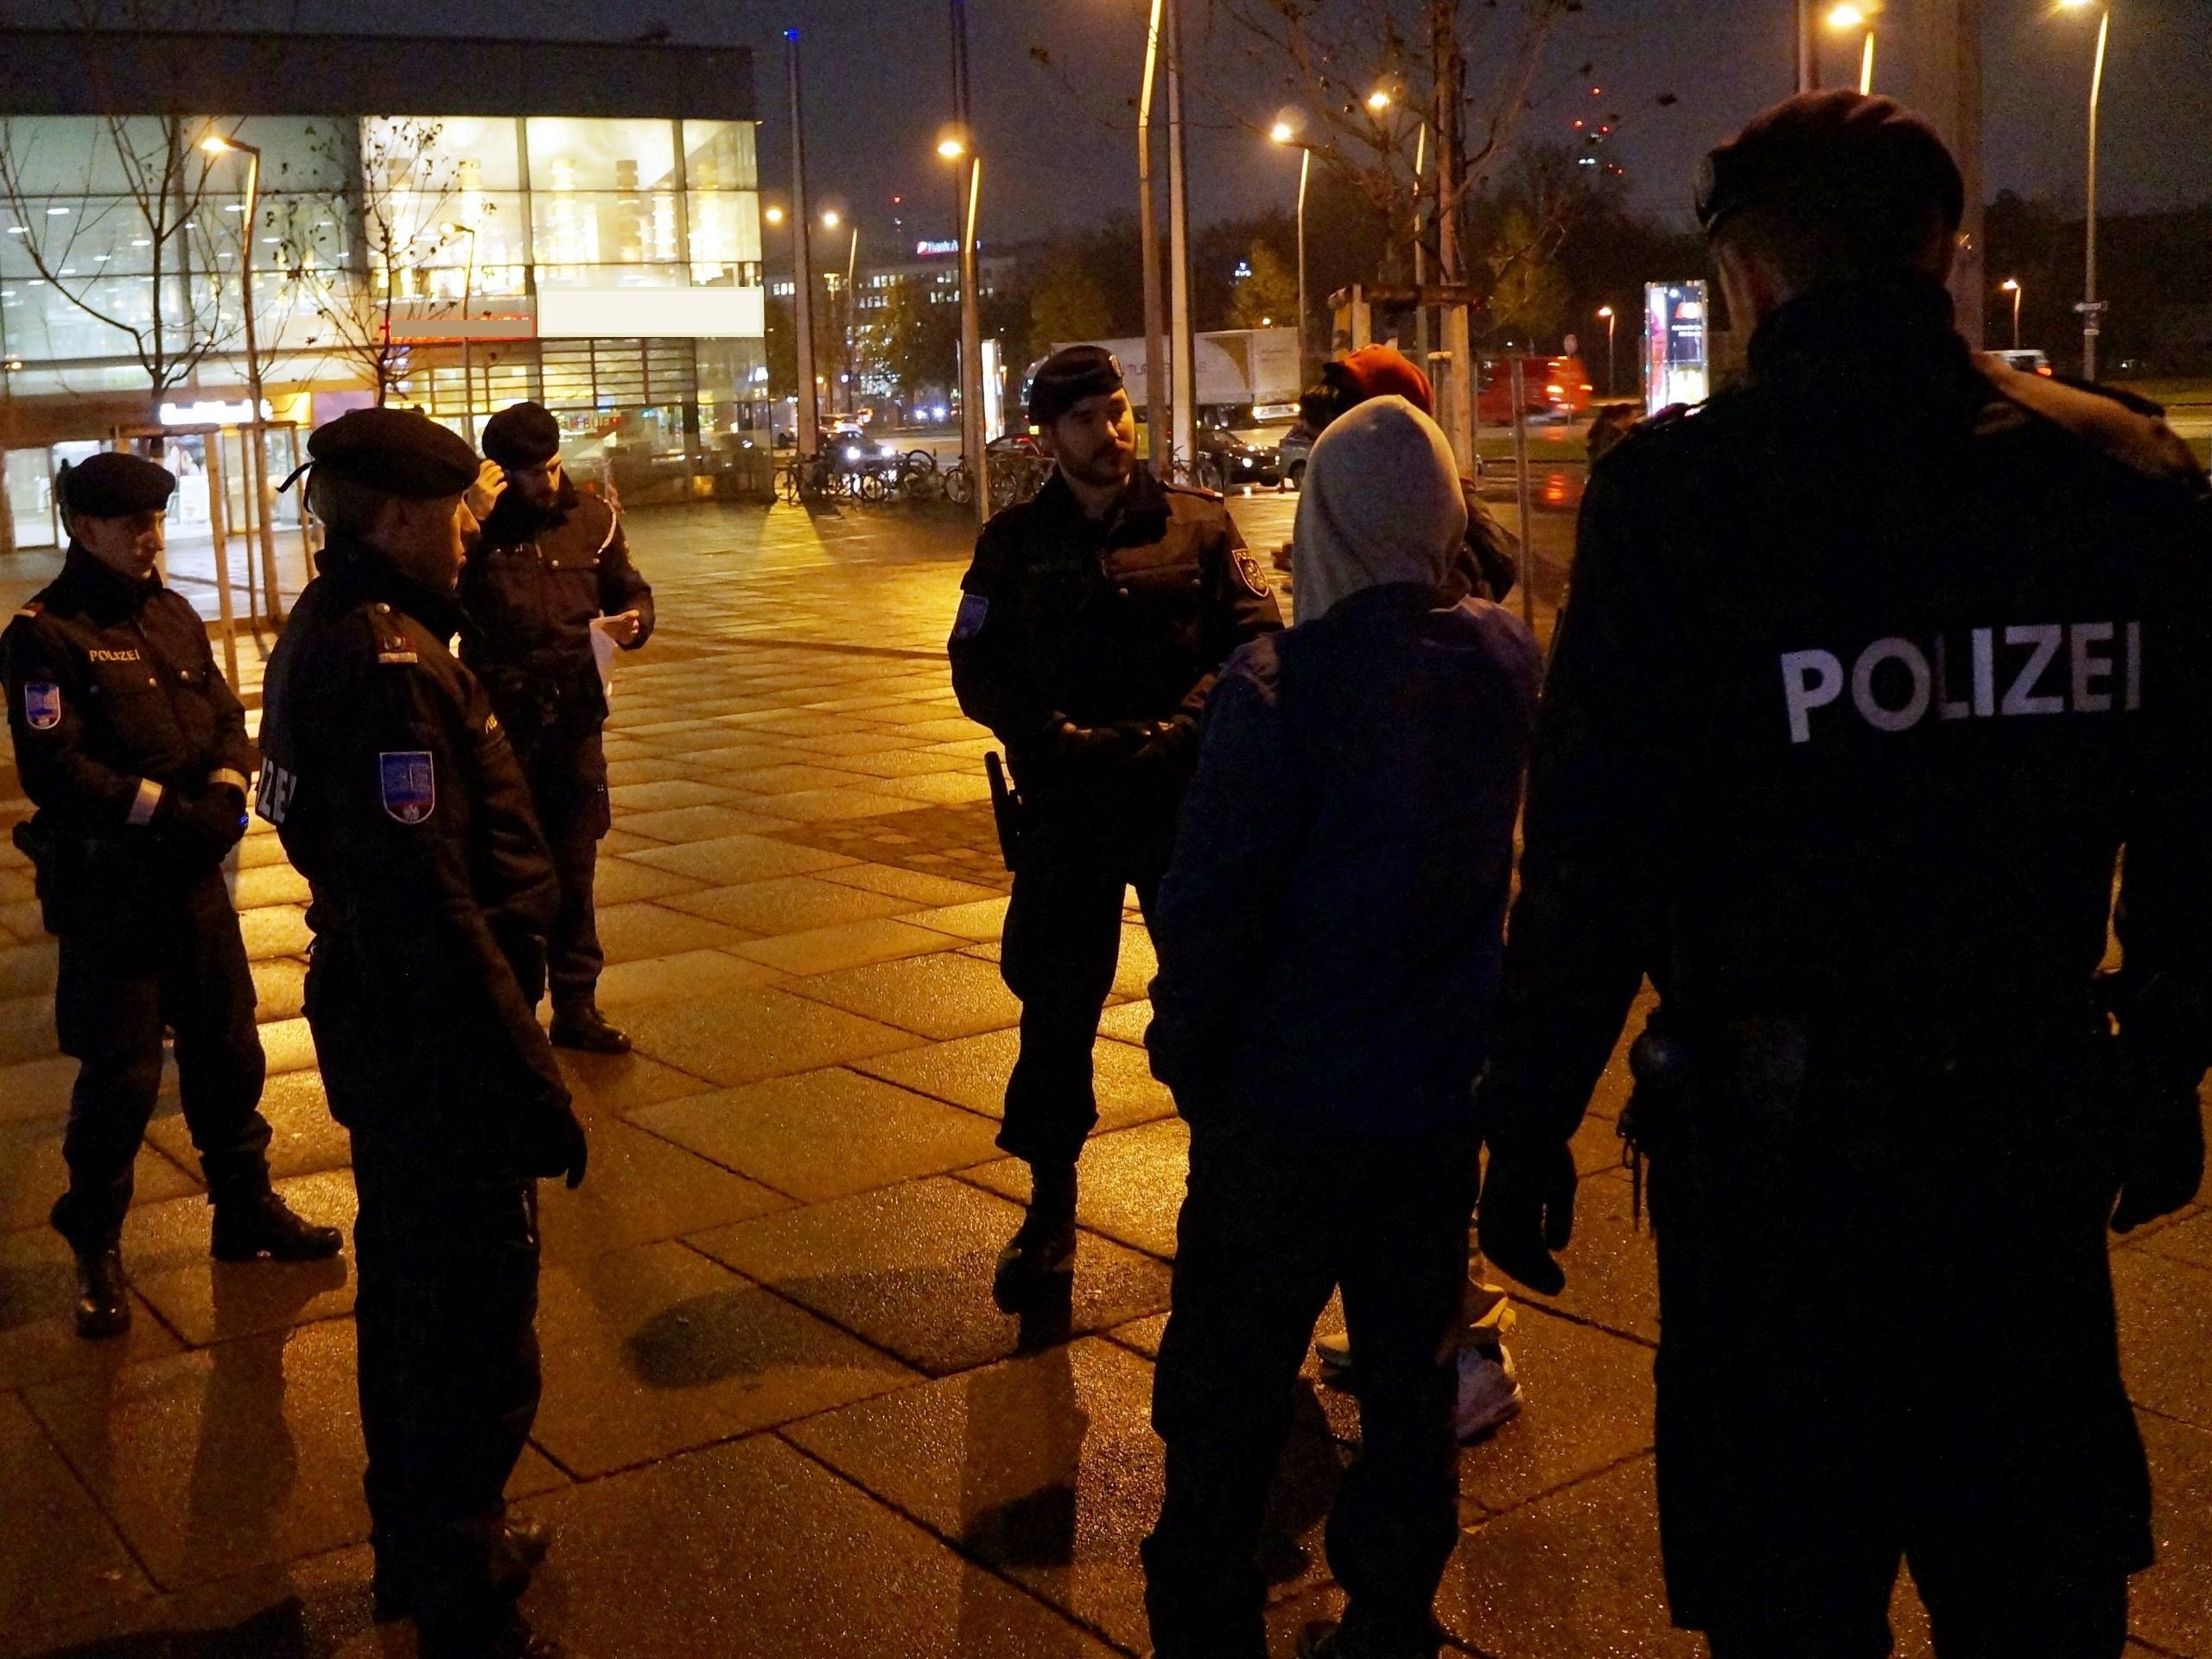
1488 1394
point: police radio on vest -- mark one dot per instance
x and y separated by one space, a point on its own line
2041 668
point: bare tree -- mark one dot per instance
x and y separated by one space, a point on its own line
161 219
389 223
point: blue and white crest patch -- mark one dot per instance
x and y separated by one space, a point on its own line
42 704
975 609
411 785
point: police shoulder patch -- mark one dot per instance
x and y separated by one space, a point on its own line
42 705
975 611
409 780
1248 574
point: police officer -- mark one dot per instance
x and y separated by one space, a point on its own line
134 749
551 565
1091 624
1874 665
391 782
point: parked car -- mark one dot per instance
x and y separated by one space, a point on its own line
2028 360
1226 462
1291 452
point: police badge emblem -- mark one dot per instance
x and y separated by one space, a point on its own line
410 786
42 705
1249 577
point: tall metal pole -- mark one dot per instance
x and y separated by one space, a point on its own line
1808 46
1155 326
1305 174
1184 343
256 431
973 448
809 433
2092 309
852 327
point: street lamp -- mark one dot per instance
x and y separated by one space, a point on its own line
1845 17
2012 285
468 346
216 145
1283 133
1378 100
1613 387
774 215
2092 309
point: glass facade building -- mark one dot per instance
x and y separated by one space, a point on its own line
468 223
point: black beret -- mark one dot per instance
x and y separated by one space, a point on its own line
399 451
1068 376
522 434
1867 159
115 484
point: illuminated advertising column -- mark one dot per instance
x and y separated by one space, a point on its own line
1674 358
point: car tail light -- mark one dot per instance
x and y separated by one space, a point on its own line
2044 368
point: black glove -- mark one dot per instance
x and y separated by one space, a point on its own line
1066 742
1167 748
2161 1150
557 1146
1527 1212
525 954
202 827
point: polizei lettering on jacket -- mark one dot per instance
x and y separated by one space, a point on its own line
2022 669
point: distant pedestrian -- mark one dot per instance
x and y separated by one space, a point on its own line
1329 938
551 568
1875 667
1092 623
134 749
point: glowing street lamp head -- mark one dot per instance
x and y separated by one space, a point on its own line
832 219
1379 99
215 145
2011 285
952 147
1605 311
774 215
1846 16
1281 133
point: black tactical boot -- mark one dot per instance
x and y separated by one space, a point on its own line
1044 1247
103 1303
522 1545
584 1027
247 1229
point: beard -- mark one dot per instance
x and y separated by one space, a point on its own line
1103 468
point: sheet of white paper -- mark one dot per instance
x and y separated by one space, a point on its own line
602 653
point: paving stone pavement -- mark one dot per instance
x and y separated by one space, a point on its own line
781 1415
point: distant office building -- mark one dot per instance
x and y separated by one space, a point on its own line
471 222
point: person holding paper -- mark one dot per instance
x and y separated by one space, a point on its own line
551 574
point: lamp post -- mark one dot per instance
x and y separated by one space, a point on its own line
852 268
468 345
1185 349
1284 134
807 410
973 446
2012 285
2092 309
256 436
1155 323
1845 17
1613 387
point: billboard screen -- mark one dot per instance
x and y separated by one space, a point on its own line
1674 322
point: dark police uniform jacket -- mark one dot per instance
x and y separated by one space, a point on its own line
392 785
1872 667
1121 622
114 700
532 588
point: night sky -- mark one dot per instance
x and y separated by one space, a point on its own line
877 86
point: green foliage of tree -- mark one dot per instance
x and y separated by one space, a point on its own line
1067 304
1268 297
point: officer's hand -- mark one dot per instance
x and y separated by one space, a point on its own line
484 494
1086 745
624 627
1528 1211
2161 1154
560 1146
1166 745
204 825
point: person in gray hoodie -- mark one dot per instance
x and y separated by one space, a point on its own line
1330 932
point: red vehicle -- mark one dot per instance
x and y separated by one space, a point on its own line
1554 387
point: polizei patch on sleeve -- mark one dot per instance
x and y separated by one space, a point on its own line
411 785
42 705
975 610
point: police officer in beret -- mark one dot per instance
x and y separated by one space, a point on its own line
1875 666
133 747
552 565
1092 626
392 783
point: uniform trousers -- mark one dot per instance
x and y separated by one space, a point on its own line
1269 1226
180 965
446 1248
1061 944
567 773
1887 1335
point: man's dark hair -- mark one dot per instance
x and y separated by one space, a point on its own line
1814 245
